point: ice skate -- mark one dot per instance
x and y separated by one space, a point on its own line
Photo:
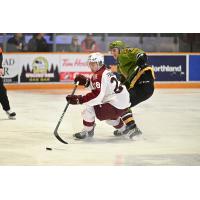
134 131
130 131
11 115
84 134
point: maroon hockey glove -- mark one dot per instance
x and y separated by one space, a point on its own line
82 80
74 99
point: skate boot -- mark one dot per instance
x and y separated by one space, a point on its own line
11 115
131 131
84 134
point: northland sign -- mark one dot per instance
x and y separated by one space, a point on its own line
167 68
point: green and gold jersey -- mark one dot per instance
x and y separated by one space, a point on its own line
127 61
127 64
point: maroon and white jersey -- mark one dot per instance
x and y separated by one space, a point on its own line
105 88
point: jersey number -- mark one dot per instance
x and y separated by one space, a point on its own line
98 85
118 88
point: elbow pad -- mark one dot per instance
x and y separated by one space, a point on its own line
141 59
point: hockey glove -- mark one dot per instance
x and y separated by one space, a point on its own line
82 80
74 99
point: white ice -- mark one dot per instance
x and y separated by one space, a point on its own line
170 121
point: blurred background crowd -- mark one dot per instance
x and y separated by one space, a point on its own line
91 42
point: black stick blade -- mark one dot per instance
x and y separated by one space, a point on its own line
59 138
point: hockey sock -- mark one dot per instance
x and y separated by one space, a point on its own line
128 118
88 126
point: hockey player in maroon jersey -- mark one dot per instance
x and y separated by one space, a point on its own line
3 92
108 99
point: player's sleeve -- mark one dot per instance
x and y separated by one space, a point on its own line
1 57
96 96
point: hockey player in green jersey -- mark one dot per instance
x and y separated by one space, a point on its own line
138 77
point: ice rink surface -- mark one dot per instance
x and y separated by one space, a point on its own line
170 121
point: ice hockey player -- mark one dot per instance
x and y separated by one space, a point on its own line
136 75
3 92
108 99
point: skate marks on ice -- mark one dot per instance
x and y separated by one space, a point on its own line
158 160
108 140
5 119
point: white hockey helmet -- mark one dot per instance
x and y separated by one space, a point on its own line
96 57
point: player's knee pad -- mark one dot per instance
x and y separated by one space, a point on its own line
88 114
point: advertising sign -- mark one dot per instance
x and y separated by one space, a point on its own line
72 64
11 68
194 69
168 67
40 68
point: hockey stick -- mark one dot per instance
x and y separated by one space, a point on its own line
56 129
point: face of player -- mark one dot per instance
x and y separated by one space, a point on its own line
115 52
93 66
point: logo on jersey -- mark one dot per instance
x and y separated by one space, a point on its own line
94 77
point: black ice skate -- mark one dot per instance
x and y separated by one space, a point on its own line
84 134
11 115
130 131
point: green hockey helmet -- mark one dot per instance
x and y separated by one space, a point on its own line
117 44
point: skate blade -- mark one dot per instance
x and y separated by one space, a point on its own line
135 137
84 139
138 137
12 118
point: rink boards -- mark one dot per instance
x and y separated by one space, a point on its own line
54 70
